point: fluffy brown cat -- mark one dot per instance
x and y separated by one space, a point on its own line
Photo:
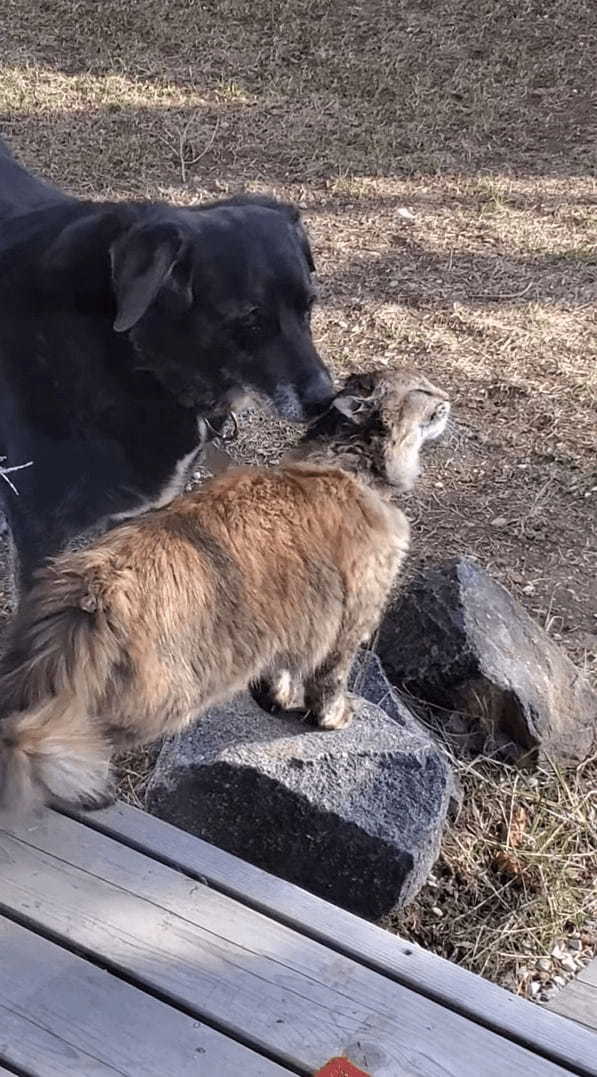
277 574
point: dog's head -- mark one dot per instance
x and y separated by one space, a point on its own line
215 300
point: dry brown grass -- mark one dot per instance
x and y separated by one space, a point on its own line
516 875
478 118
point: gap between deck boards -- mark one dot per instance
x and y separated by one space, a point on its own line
12 1070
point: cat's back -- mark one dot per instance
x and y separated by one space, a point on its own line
298 497
249 497
249 520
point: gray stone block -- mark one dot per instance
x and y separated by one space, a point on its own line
354 815
457 638
368 680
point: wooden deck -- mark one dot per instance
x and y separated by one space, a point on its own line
578 999
128 947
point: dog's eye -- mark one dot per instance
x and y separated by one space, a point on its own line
252 323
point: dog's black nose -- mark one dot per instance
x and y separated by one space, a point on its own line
318 393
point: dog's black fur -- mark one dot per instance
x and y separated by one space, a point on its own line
120 325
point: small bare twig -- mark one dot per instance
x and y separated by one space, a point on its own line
5 471
501 295
207 146
178 144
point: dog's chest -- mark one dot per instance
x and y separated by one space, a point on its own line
174 485
179 478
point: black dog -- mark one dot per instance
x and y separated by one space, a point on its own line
121 325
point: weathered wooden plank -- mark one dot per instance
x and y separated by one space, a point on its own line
408 963
256 978
60 1015
578 1000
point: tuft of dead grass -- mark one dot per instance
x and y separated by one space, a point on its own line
133 771
516 875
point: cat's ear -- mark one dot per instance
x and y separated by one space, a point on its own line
352 407
356 399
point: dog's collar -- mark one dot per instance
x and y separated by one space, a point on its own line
221 433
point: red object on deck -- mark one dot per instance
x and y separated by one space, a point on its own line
340 1067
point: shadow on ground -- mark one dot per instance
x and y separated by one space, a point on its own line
312 88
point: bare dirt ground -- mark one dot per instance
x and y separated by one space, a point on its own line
444 155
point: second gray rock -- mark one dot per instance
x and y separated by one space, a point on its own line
456 638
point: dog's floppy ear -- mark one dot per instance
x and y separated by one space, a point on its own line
142 259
